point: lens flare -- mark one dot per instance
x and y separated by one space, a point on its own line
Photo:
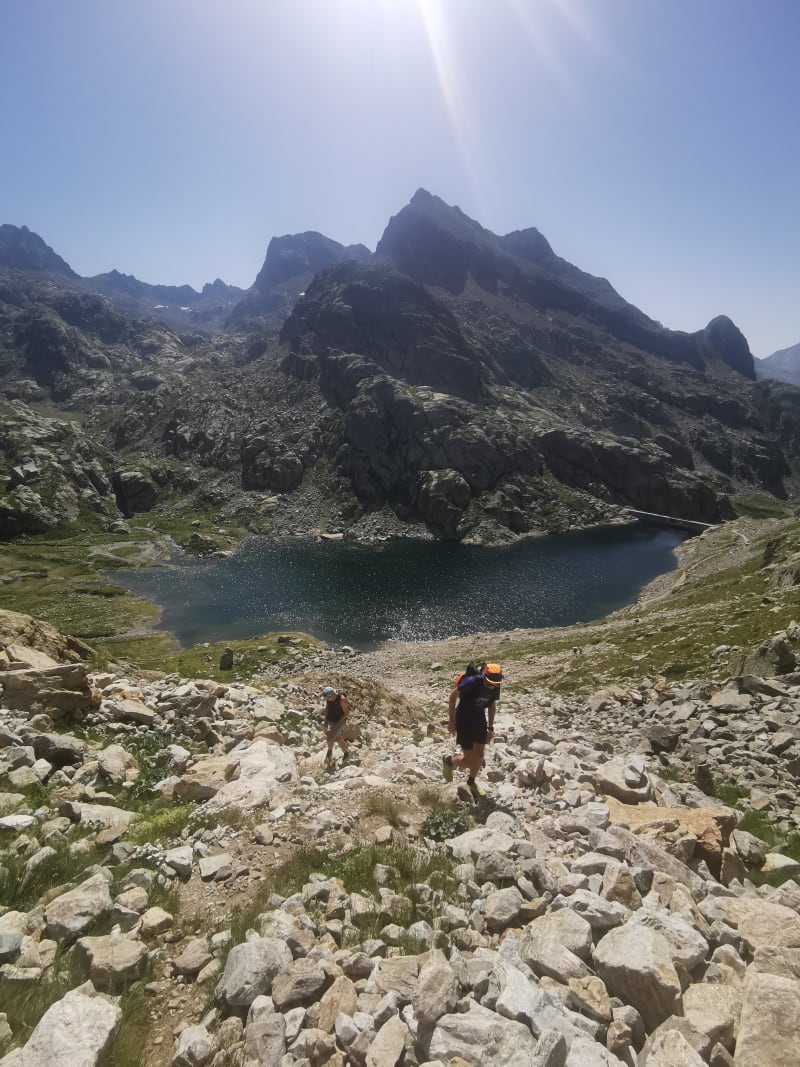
451 78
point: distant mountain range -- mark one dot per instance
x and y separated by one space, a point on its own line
784 365
428 240
472 385
180 306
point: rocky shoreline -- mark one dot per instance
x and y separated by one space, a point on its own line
179 556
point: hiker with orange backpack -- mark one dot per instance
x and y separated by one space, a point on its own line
475 695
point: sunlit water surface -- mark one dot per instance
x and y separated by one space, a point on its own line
404 590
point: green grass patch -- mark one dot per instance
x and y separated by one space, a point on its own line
233 818
161 652
164 821
355 869
185 517
36 795
760 506
26 1002
53 577
160 824
145 651
730 793
130 1046
761 826
671 774
292 721
166 896
20 889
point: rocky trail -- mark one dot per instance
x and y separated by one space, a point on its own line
183 882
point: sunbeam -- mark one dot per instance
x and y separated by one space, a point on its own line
450 78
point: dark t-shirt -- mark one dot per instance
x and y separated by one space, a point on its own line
475 699
333 709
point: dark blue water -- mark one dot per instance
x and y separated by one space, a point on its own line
405 590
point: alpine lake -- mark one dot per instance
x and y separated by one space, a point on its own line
346 593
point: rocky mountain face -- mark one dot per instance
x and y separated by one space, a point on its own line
596 907
472 386
783 365
54 473
20 249
291 262
179 306
440 246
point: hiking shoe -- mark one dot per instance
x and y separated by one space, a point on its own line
328 759
447 768
476 790
345 757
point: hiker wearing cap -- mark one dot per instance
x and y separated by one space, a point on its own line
336 712
472 706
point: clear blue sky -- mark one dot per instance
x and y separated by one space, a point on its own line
654 142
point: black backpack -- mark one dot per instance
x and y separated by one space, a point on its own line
469 677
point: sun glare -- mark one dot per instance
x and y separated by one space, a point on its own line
451 77
551 34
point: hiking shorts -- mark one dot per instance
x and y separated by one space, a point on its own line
471 731
334 729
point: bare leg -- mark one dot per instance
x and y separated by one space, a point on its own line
471 760
330 740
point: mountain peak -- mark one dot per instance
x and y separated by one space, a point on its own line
296 255
529 243
217 286
729 344
22 249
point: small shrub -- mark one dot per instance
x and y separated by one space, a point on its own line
160 823
384 805
761 826
36 795
429 797
444 824
730 793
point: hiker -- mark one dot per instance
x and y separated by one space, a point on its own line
336 712
475 695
